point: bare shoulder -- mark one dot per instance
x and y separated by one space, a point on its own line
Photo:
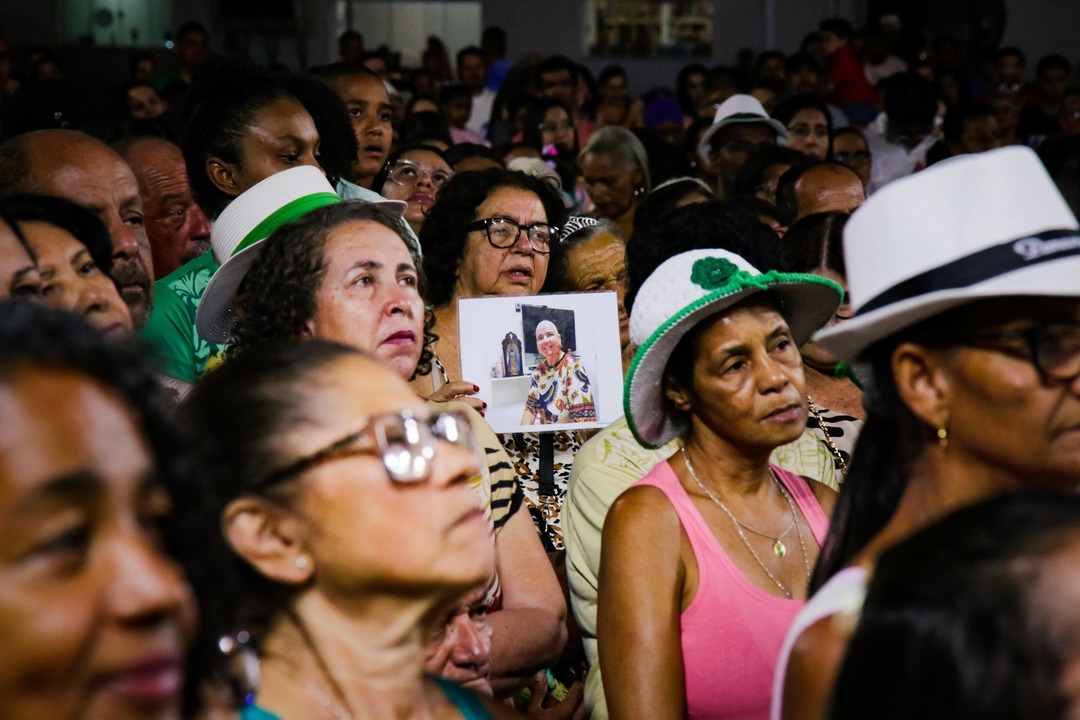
640 509
812 668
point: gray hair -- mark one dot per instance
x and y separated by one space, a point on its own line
624 145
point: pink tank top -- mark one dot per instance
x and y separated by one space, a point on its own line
732 631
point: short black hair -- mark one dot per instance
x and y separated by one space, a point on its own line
1014 52
1053 61
453 91
610 72
554 64
801 61
138 57
814 242
909 98
667 196
753 170
463 151
953 125
839 27
189 28
77 221
694 227
470 50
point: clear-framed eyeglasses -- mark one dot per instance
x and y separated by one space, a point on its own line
404 441
503 232
408 172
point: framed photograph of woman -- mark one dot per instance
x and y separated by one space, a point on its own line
570 373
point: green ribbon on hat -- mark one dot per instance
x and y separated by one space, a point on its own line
287 213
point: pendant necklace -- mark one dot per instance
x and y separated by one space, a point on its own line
779 549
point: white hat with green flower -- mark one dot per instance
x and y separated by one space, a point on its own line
687 289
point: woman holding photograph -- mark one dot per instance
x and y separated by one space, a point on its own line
560 390
493 235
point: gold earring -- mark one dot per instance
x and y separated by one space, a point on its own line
943 437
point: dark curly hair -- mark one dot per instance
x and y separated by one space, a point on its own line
443 236
278 292
224 109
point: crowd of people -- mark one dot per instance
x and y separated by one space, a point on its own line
244 473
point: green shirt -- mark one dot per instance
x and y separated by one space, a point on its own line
178 350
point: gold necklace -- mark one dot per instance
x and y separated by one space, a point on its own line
828 439
778 547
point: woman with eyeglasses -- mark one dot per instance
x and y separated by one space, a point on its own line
548 126
347 273
967 320
809 125
343 531
493 233
415 175
851 149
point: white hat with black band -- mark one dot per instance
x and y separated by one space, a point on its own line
970 228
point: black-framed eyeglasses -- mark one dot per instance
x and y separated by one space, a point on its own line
503 232
407 172
1053 349
403 441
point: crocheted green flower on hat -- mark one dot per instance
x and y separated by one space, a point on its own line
712 272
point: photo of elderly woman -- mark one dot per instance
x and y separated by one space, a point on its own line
560 391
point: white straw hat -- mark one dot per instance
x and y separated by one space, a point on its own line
739 109
687 289
973 227
240 229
